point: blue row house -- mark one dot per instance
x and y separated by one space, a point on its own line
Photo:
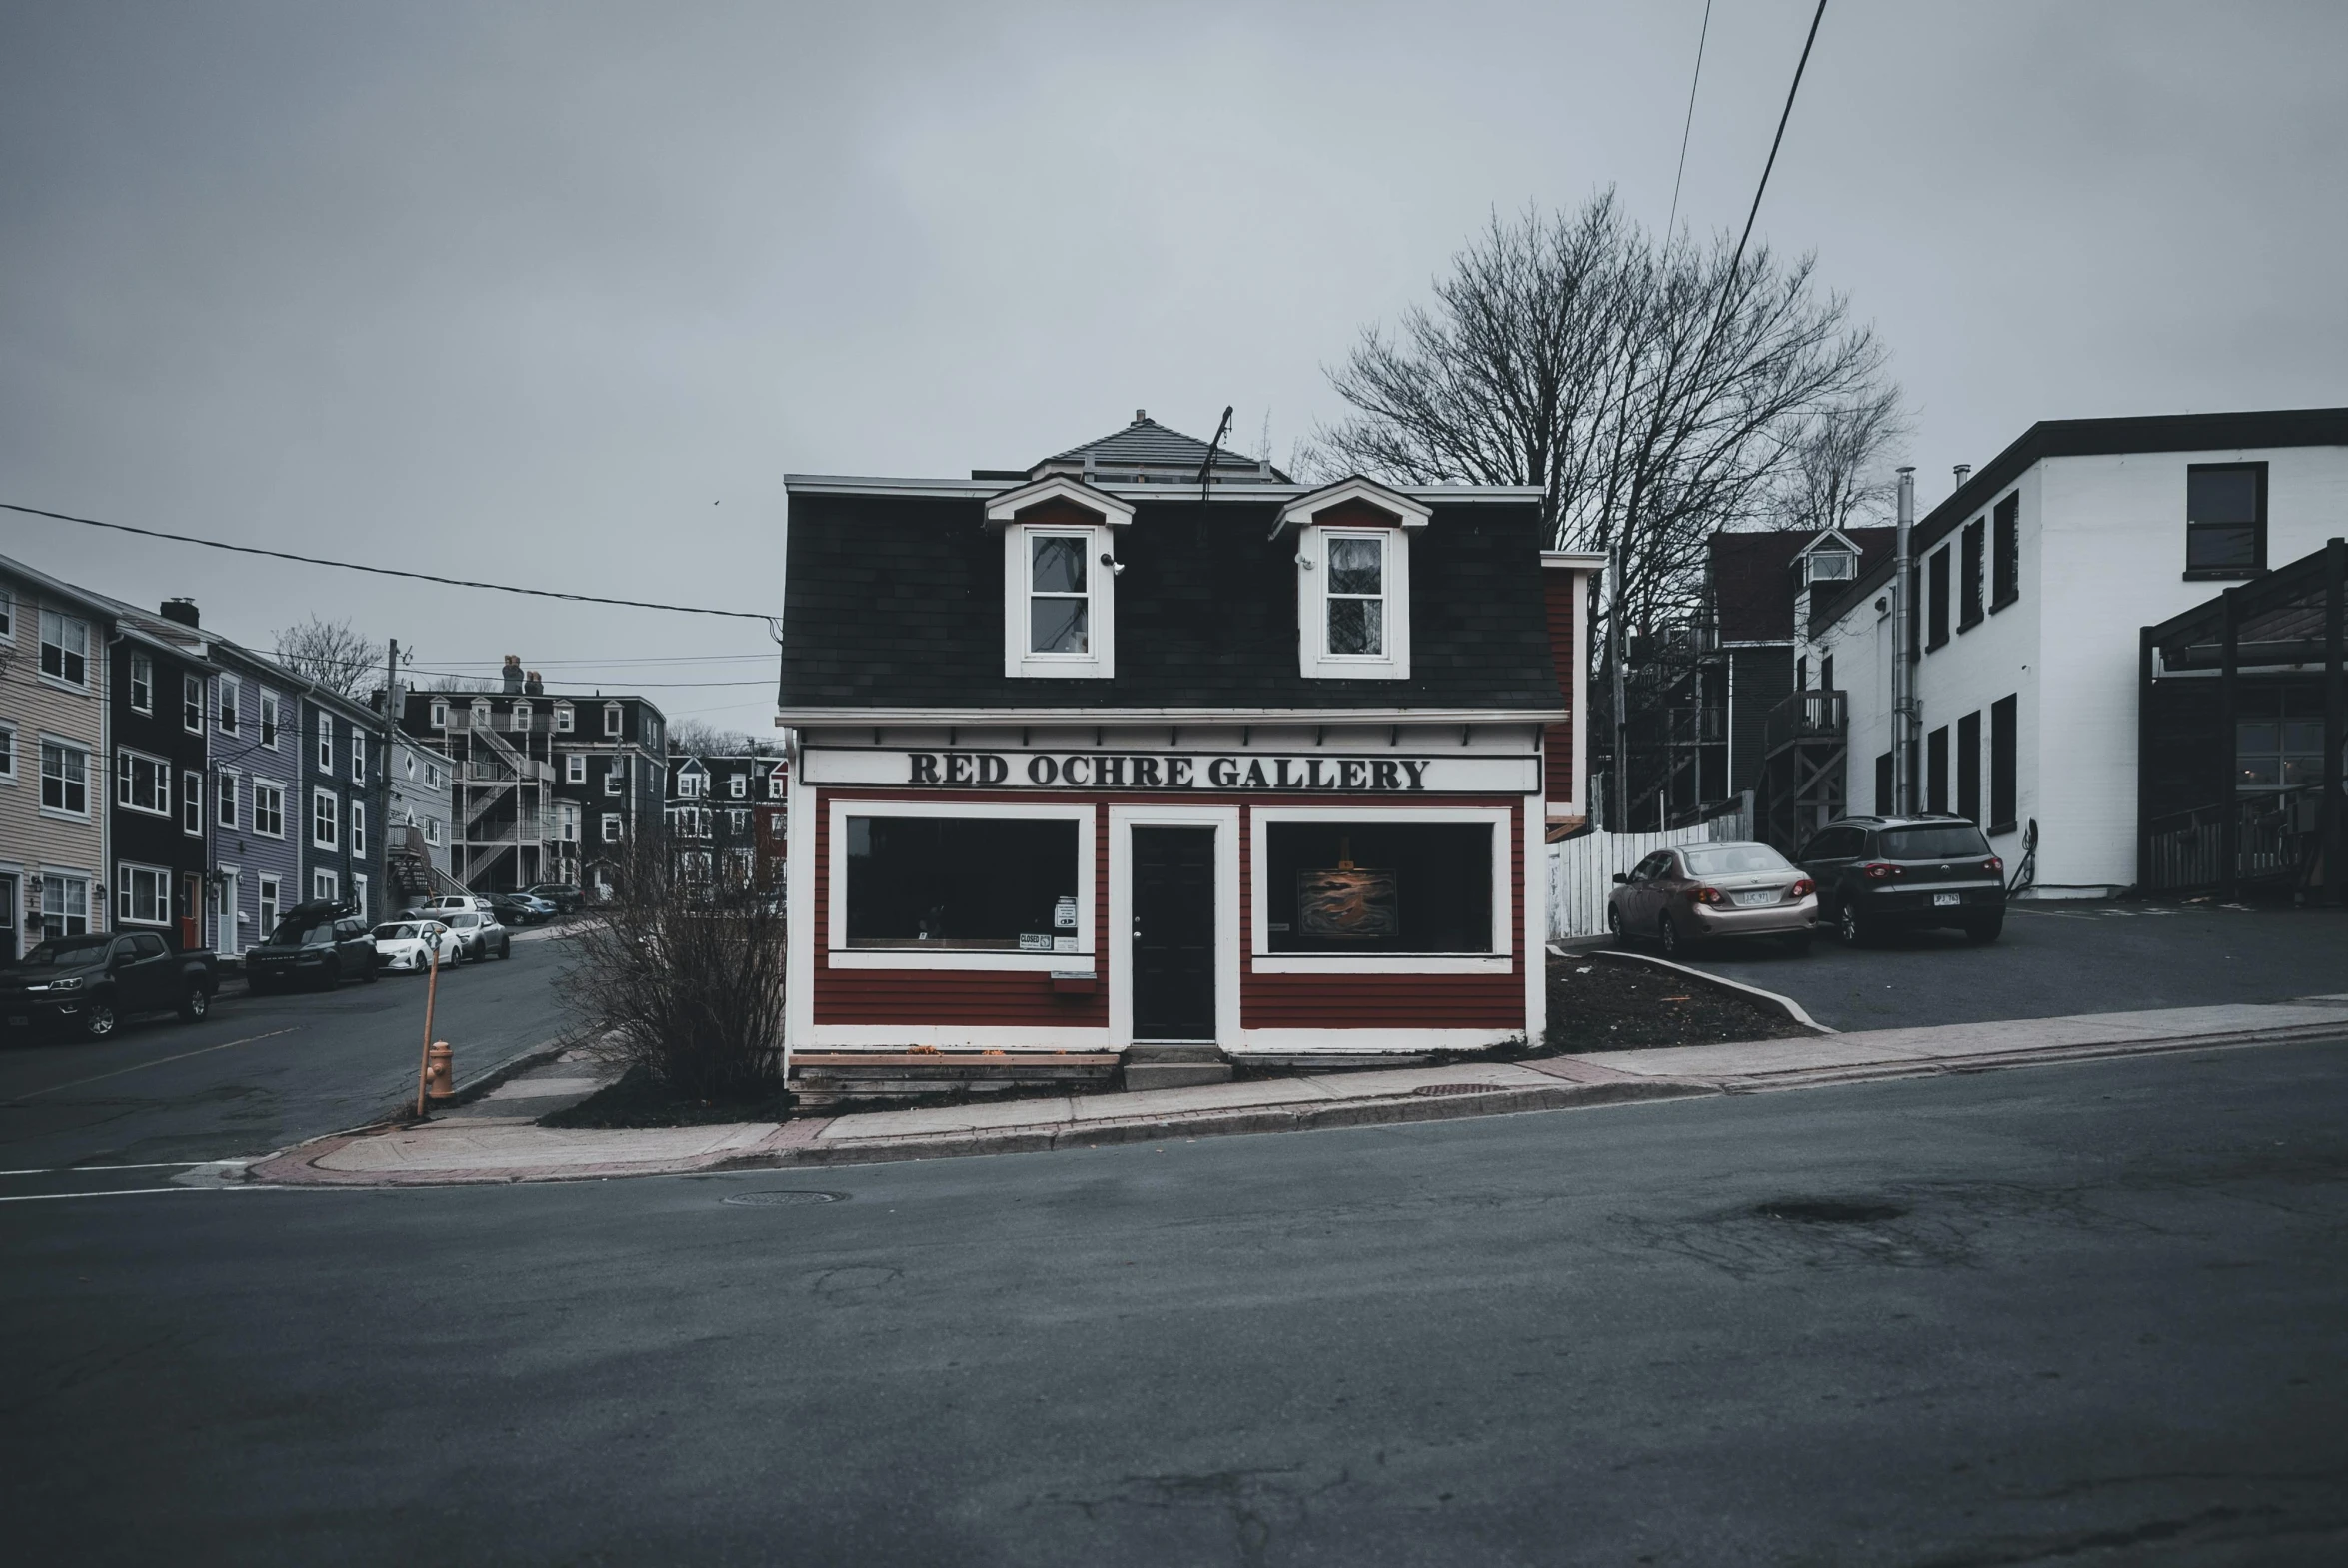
257 795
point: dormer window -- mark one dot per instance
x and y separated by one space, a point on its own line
1832 565
1059 577
1354 580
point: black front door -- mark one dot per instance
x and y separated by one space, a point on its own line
1173 933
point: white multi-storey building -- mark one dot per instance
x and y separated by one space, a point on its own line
2032 583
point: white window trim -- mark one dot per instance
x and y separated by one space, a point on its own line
613 719
325 742
564 717
333 817
358 827
41 640
1314 660
229 704
358 756
1228 945
277 789
272 720
575 767
195 709
440 715
1263 960
227 788
191 802
840 957
1099 661
14 767
325 884
93 779
121 869
139 659
10 614
122 777
614 829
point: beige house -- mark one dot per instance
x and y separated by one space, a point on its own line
53 750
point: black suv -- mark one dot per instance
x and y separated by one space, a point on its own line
317 943
1883 874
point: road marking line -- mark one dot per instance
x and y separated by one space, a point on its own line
131 1192
158 1062
164 1164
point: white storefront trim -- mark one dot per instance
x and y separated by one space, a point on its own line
840 956
1262 960
1123 819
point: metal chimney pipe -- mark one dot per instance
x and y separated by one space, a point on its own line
1903 670
1963 471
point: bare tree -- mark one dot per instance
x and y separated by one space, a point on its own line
1839 473
684 979
330 654
1654 393
707 740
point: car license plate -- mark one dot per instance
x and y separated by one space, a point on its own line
1765 896
1946 901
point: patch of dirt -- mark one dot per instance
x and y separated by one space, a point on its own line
1606 1005
636 1100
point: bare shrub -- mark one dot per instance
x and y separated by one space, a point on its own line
685 980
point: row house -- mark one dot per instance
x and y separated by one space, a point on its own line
342 749
726 818
256 796
543 788
417 823
53 747
160 698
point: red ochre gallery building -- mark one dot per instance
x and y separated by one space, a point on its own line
1095 754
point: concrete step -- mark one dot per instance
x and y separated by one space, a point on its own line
1174 1066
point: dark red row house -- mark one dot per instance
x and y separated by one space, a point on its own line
1099 755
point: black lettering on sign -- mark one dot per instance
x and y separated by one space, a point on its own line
1224 772
958 767
1178 772
1069 775
1388 775
993 768
1417 773
1352 774
1144 772
1255 776
1314 779
1109 772
924 768
1041 769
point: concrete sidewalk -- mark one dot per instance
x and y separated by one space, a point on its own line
497 1149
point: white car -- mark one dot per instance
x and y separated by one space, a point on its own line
407 946
445 905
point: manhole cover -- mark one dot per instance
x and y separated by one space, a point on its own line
781 1200
1830 1211
1431 1090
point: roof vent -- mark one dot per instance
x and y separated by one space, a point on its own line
1963 470
1141 415
182 611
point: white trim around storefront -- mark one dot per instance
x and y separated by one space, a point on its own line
1123 819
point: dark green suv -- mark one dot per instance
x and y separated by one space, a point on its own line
1878 874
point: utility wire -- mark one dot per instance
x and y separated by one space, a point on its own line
353 566
1671 224
1775 142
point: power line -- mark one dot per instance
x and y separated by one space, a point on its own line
1671 224
354 566
1775 142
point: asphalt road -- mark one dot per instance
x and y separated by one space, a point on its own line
260 1073
2054 960
2088 1314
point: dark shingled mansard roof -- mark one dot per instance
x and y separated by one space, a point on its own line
895 600
1754 584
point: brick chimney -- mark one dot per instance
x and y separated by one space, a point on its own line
513 675
182 611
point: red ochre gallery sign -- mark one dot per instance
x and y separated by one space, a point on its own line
1208 771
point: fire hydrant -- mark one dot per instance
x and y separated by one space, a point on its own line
440 1073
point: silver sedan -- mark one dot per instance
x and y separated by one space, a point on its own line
1705 891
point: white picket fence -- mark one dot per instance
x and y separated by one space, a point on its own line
1582 871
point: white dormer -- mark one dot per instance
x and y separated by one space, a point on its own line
1830 558
1059 577
1354 580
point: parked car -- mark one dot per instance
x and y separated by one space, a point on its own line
317 943
408 946
519 908
445 905
1706 892
89 985
561 895
1877 875
481 934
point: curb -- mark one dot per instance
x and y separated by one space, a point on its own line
1949 1067
1785 1006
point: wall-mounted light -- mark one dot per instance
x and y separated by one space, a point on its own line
1304 560
1115 567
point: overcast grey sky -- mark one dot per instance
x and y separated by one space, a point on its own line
556 294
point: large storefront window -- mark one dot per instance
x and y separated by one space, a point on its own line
1003 884
1373 887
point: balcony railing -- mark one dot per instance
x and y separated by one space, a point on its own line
1808 715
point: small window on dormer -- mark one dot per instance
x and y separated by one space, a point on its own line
1058 603
1832 565
1356 620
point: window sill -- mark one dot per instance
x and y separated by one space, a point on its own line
2001 829
63 685
2010 598
2222 573
994 959
1933 648
1382 963
57 813
1966 626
